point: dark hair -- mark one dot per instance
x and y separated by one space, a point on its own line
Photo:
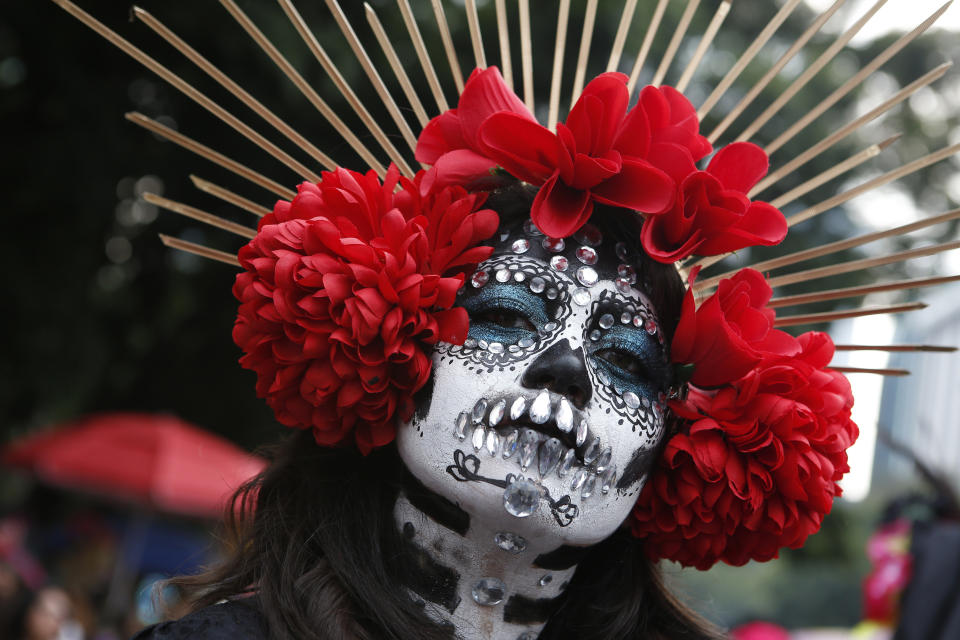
315 538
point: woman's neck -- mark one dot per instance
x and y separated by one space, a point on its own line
489 584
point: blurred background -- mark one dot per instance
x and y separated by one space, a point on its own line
104 324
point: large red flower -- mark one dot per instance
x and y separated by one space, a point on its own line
601 154
344 290
712 213
757 465
730 332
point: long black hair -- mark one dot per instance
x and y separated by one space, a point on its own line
314 536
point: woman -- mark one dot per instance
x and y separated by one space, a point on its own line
491 371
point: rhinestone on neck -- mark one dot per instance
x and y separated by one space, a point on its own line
488 592
509 541
522 498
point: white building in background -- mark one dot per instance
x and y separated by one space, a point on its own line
922 410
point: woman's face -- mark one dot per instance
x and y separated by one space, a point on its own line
545 422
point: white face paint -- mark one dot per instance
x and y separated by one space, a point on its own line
562 383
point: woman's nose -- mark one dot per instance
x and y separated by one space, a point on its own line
563 370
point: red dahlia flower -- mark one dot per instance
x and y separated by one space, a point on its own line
730 332
712 213
756 467
344 290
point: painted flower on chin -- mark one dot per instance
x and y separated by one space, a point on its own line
602 154
344 291
712 213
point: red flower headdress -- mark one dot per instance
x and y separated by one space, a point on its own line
348 286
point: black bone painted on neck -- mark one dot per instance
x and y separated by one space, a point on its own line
523 610
436 507
432 581
562 558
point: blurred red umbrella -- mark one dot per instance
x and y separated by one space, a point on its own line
158 461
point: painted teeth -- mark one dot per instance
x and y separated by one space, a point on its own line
540 409
564 415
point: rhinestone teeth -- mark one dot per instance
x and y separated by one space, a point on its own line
604 460
589 487
493 443
564 415
566 463
579 478
592 451
518 407
549 456
582 432
496 413
529 441
461 430
606 480
540 409
478 438
479 410
510 443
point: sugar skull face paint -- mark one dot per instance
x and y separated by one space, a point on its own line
546 420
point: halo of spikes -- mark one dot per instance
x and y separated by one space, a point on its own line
397 144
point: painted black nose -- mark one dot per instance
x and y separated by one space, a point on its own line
562 370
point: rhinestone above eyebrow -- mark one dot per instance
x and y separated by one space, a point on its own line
622 251
589 235
628 273
623 285
479 279
587 276
538 284
501 275
581 297
559 263
553 244
587 255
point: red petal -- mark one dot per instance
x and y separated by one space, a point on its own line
739 166
639 186
598 113
558 210
442 134
485 94
534 160
460 167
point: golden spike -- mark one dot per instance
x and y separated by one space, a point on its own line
229 196
341 83
837 170
839 245
854 82
503 35
830 316
652 28
230 85
371 72
211 155
895 348
421 48
862 263
200 215
879 181
586 38
621 38
768 77
563 18
718 17
856 292
747 57
473 22
675 40
199 250
801 81
188 90
244 21
441 18
526 54
395 64
879 372
850 127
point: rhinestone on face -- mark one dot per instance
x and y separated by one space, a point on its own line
488 592
592 451
590 235
501 275
589 486
483 344
461 429
623 286
540 409
479 435
470 343
625 317
587 276
550 326
509 541
566 462
579 477
496 347
552 293
564 415
631 399
650 326
531 229
479 410
628 273
582 432
517 408
622 251
549 456
638 321
479 279
581 297
493 443
510 443
520 246
537 284
528 635
519 276
529 442
497 412
604 460
595 335
555 245
521 498
607 478
513 348
604 378
559 263
606 321
545 580
523 343
587 255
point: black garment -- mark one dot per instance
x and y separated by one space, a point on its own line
234 620
930 608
